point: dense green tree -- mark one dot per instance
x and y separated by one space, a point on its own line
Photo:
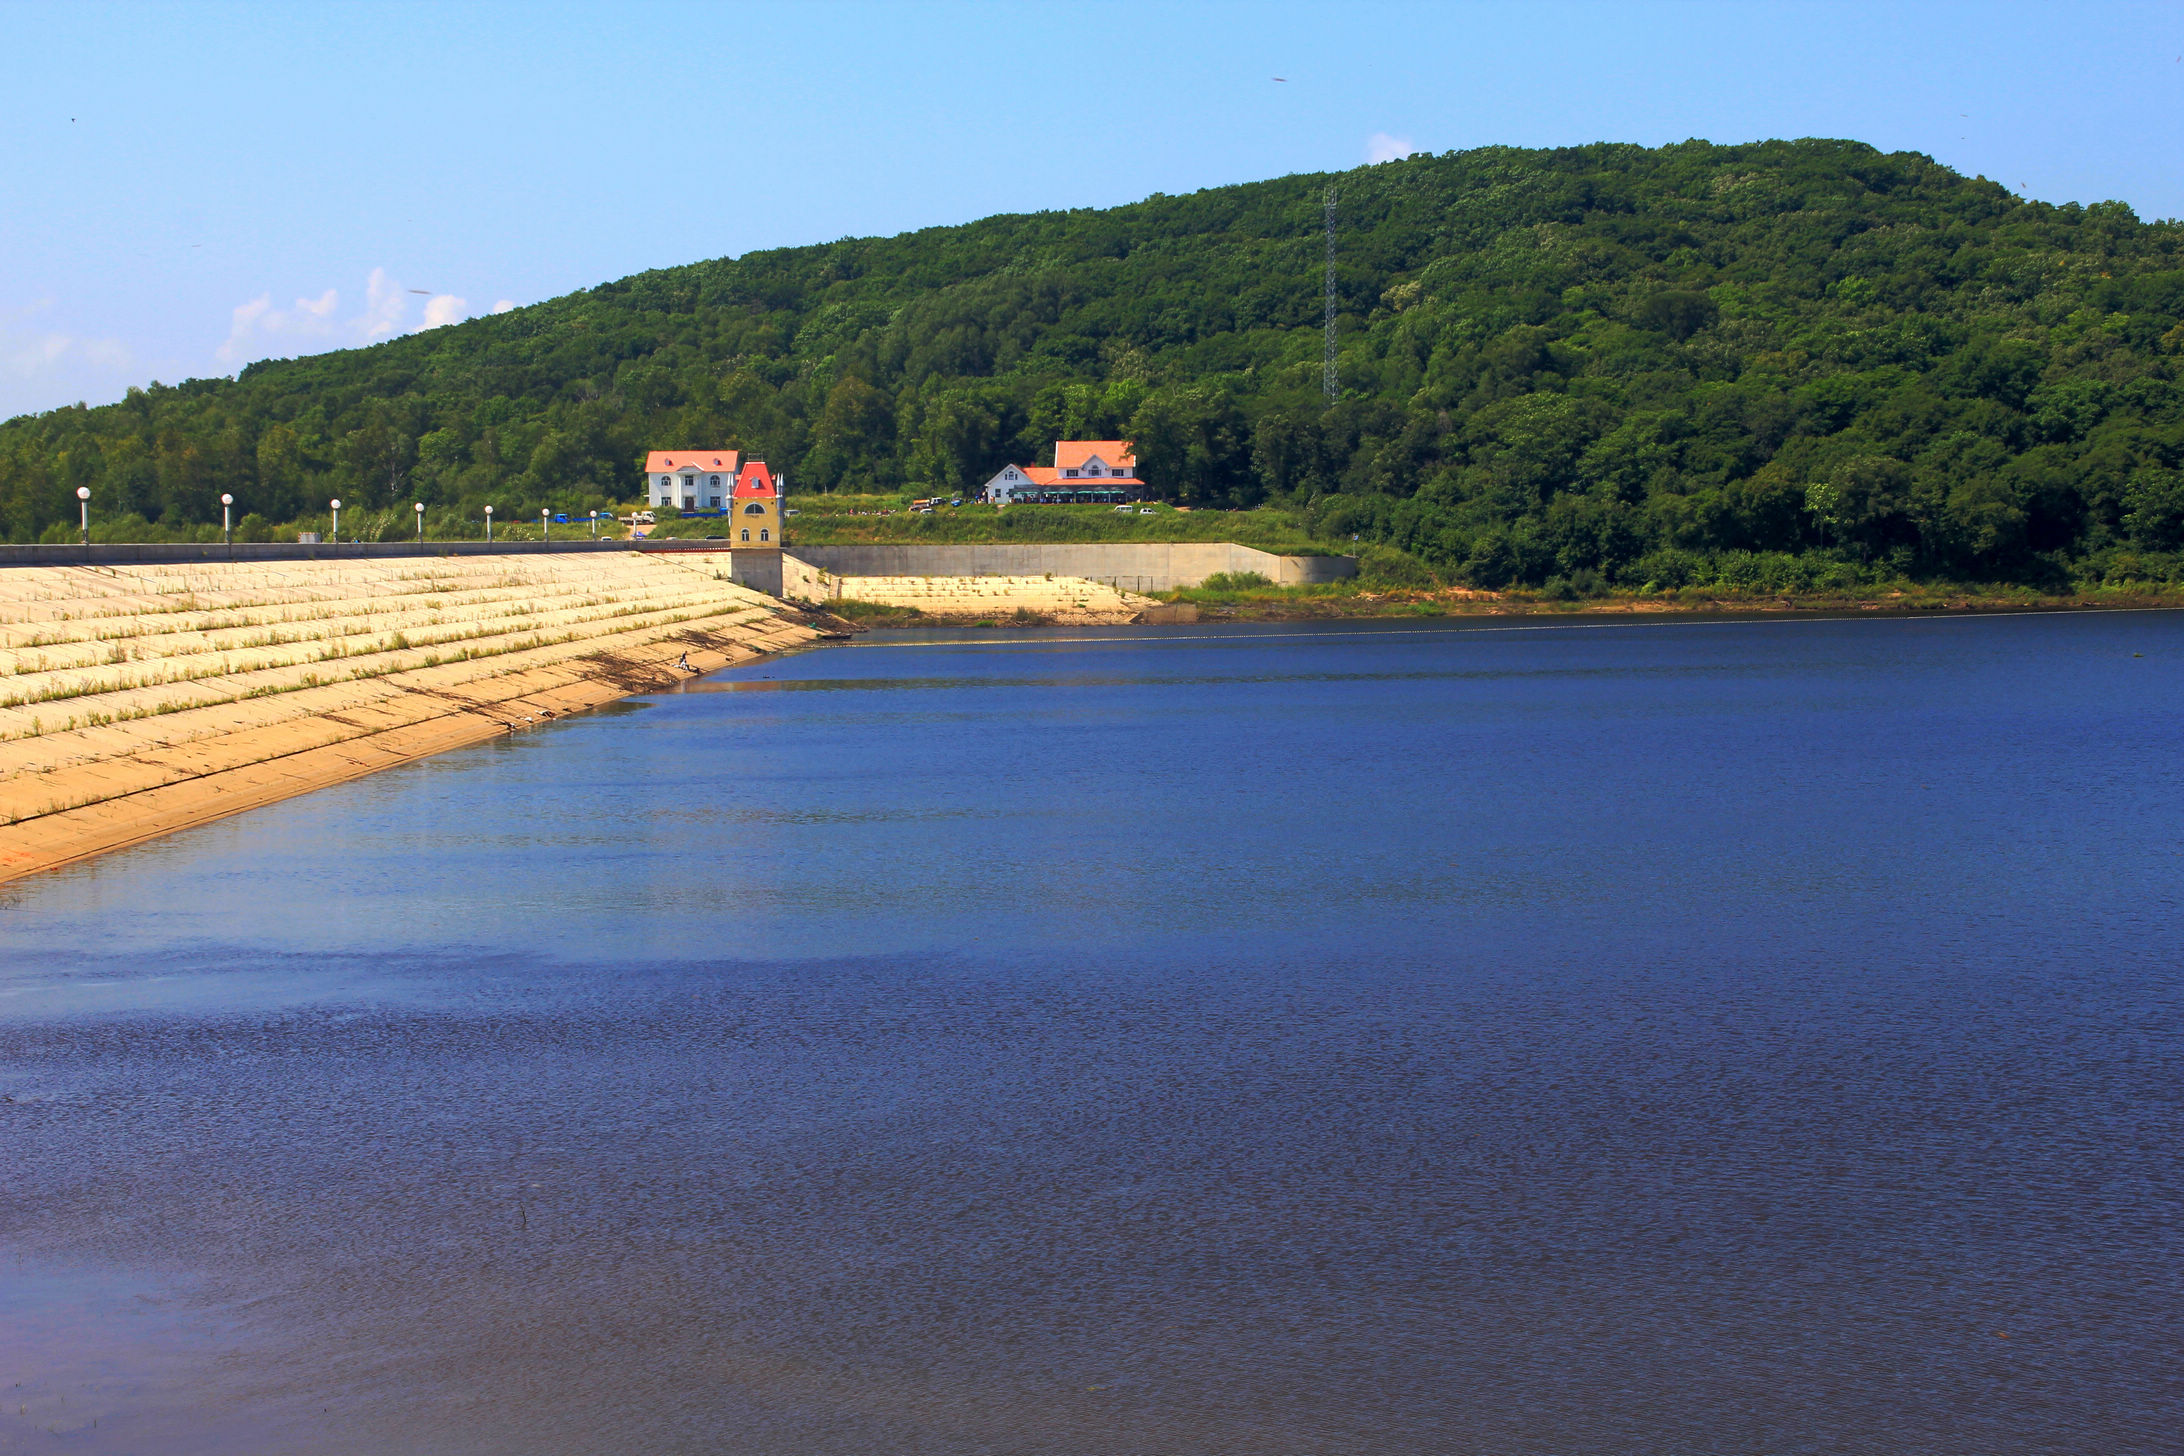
1765 364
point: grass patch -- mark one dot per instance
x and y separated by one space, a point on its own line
856 611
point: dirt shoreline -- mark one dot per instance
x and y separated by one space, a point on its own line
1401 606
1473 606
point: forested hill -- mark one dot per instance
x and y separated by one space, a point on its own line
1605 364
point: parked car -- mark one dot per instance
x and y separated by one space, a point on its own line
1145 510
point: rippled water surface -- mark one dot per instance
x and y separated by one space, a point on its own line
1702 1037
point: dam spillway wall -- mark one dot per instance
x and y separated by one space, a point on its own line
1128 566
1133 566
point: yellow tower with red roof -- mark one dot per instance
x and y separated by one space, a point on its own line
755 523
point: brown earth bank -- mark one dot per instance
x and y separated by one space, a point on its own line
1310 605
137 700
1280 606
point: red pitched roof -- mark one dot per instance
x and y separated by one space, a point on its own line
661 461
756 482
1049 475
1118 453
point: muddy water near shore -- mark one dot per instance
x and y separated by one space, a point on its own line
1690 1036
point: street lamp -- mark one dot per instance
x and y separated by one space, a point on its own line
545 524
595 525
337 523
227 530
83 497
420 523
488 525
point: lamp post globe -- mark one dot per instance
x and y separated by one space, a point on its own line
227 530
420 509
545 524
83 499
489 525
337 522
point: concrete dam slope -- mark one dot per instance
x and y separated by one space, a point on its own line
136 700
1068 600
1133 566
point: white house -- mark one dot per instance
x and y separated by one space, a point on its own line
1011 483
1083 471
691 480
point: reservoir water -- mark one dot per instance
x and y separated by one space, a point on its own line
1686 1037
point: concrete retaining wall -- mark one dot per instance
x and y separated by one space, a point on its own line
1150 566
803 582
758 570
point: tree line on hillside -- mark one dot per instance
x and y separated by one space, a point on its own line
1804 362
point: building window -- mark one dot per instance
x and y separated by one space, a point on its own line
714 481
746 533
754 509
764 534
1070 473
716 502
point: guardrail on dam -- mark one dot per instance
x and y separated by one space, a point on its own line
166 553
759 570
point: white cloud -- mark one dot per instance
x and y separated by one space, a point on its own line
106 353
386 303
30 355
506 305
33 355
258 330
1380 147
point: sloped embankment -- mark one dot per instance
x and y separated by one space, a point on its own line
136 700
1070 600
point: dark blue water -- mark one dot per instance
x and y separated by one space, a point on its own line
1702 1037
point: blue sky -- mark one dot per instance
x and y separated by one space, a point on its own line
188 188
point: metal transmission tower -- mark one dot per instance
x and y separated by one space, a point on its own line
1328 381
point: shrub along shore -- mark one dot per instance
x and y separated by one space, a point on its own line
1246 602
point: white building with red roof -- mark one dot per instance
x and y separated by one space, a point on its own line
1083 471
691 480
